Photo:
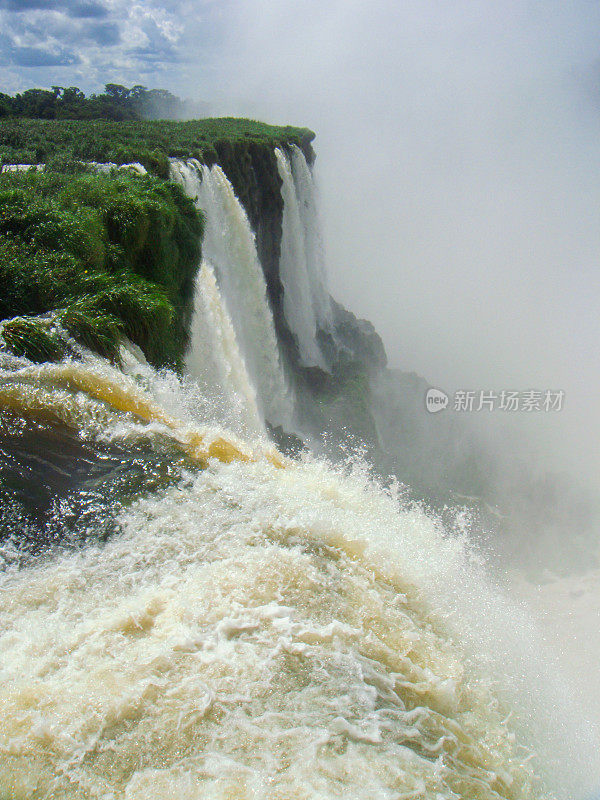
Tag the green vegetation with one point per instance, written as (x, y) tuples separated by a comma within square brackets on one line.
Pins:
[(106, 256), (116, 102), (36, 141), (102, 257)]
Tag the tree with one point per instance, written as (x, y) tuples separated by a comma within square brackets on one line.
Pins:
[(116, 103), (37, 103), (73, 95), (117, 92)]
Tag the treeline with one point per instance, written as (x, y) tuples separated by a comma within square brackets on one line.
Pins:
[(116, 103)]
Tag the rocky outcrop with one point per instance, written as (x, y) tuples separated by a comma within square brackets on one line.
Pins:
[(355, 341), (352, 344)]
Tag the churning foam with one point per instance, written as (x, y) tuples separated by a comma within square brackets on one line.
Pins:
[(258, 631)]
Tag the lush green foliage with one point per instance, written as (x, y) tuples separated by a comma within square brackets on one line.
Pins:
[(105, 256), (151, 143), (117, 103), (115, 255)]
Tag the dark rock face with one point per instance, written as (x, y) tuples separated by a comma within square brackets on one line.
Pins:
[(334, 400), (357, 340), (252, 170)]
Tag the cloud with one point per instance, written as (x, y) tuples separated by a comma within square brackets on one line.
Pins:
[(88, 10), (27, 5), (103, 33), (118, 41), (31, 55), (76, 8), (91, 42), (37, 57), (166, 54)]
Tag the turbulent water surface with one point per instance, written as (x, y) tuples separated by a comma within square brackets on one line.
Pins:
[(259, 628)]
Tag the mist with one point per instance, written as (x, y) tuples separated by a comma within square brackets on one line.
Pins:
[(457, 156)]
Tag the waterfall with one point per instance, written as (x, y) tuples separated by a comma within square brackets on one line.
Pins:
[(313, 239), (305, 301), (215, 361), (229, 248)]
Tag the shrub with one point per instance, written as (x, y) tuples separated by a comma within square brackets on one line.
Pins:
[(111, 255), (35, 338), (27, 141)]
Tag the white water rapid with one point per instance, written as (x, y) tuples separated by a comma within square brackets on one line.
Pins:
[(263, 628)]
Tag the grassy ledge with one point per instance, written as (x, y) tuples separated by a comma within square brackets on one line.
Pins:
[(152, 143), (102, 256)]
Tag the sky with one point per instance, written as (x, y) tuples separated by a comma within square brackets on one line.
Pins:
[(457, 158), (88, 43)]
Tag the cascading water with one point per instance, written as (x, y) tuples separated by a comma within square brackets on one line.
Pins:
[(215, 361), (313, 240), (300, 269), (229, 248)]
